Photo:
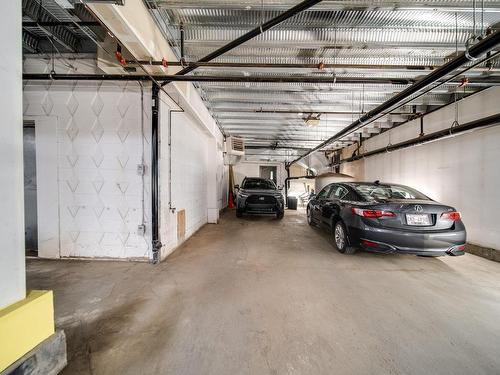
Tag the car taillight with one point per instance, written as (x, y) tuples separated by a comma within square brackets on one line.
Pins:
[(453, 216), (374, 214)]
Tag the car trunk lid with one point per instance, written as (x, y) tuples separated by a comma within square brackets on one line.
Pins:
[(413, 214)]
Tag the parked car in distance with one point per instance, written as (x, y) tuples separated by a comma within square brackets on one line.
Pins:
[(386, 218), (259, 196)]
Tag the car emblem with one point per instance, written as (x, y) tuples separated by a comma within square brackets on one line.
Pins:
[(261, 198), (418, 208)]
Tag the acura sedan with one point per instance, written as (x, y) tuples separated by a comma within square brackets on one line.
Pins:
[(387, 218)]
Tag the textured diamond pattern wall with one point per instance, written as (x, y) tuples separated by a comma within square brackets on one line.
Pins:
[(103, 134)]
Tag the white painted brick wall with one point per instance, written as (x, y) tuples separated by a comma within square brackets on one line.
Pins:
[(189, 177), (189, 165)]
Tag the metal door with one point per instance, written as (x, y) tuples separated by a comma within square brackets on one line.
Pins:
[(269, 172), (30, 199)]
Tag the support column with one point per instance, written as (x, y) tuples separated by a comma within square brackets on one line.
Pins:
[(212, 198), (12, 258), (26, 319)]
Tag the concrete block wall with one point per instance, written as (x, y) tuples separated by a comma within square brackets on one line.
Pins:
[(89, 141), (90, 137), (189, 172), (197, 177), (461, 171)]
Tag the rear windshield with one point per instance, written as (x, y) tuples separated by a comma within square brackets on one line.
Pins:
[(259, 185), (374, 191)]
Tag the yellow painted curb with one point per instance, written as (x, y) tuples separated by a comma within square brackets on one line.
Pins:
[(24, 325)]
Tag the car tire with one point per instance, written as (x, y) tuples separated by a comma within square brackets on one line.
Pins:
[(239, 213), (309, 217), (340, 239), (280, 214)]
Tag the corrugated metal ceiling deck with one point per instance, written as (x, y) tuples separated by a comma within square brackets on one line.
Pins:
[(386, 37), (342, 32)]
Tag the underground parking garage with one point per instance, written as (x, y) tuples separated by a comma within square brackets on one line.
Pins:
[(258, 187)]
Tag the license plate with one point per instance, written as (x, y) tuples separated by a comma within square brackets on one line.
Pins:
[(418, 219)]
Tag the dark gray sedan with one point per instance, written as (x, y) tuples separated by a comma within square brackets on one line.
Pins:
[(387, 218)]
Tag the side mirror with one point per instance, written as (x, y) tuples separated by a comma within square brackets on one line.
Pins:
[(237, 187), (280, 187), (312, 196)]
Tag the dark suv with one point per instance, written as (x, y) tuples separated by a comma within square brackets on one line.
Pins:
[(260, 196)]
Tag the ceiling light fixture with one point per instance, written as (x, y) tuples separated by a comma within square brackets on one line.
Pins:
[(312, 120)]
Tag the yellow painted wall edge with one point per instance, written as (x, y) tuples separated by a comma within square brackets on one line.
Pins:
[(24, 325)]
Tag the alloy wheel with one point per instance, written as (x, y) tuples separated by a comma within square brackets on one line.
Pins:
[(339, 236)]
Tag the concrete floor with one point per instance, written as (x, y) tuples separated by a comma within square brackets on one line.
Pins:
[(261, 296)]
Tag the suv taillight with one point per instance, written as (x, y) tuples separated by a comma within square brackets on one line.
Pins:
[(453, 216), (373, 214)]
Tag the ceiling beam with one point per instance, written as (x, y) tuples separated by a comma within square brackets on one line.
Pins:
[(288, 139), (411, 109), (319, 66), (60, 34), (74, 24), (330, 45), (243, 110), (243, 79), (299, 89), (318, 106), (204, 78)]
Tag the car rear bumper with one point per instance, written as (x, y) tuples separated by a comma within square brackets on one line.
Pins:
[(382, 240), (380, 247)]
